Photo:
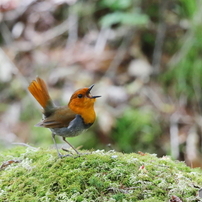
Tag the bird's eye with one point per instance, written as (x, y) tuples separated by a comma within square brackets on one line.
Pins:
[(79, 95)]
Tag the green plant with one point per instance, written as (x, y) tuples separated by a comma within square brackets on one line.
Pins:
[(124, 12), (136, 130)]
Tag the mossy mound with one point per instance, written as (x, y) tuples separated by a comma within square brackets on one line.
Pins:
[(30, 174)]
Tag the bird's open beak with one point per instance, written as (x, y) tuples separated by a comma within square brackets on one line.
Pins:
[(89, 89)]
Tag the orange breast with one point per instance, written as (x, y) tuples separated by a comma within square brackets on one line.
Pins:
[(88, 114)]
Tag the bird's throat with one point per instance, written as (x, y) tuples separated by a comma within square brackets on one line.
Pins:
[(88, 116)]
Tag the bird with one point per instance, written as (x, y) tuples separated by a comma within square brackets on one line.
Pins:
[(65, 121)]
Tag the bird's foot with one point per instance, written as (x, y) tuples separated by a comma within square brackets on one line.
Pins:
[(81, 154), (62, 156), (78, 154), (67, 150)]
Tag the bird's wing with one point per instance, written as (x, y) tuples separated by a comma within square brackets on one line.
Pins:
[(59, 119)]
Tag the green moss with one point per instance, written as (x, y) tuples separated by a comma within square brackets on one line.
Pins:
[(38, 175)]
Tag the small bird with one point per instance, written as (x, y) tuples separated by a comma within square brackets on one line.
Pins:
[(65, 121)]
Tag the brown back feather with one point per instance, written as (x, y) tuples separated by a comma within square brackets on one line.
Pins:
[(60, 118)]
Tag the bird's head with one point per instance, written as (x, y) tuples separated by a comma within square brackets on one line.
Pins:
[(82, 99)]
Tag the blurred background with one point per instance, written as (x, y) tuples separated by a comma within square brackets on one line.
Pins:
[(144, 57)]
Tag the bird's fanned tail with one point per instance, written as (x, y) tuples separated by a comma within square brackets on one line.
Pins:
[(39, 90)]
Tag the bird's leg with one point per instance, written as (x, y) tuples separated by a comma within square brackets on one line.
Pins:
[(59, 154), (70, 145)]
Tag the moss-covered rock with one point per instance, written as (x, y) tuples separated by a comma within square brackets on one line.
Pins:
[(31, 174)]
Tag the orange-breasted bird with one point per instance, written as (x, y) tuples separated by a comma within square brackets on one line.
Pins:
[(65, 121)]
